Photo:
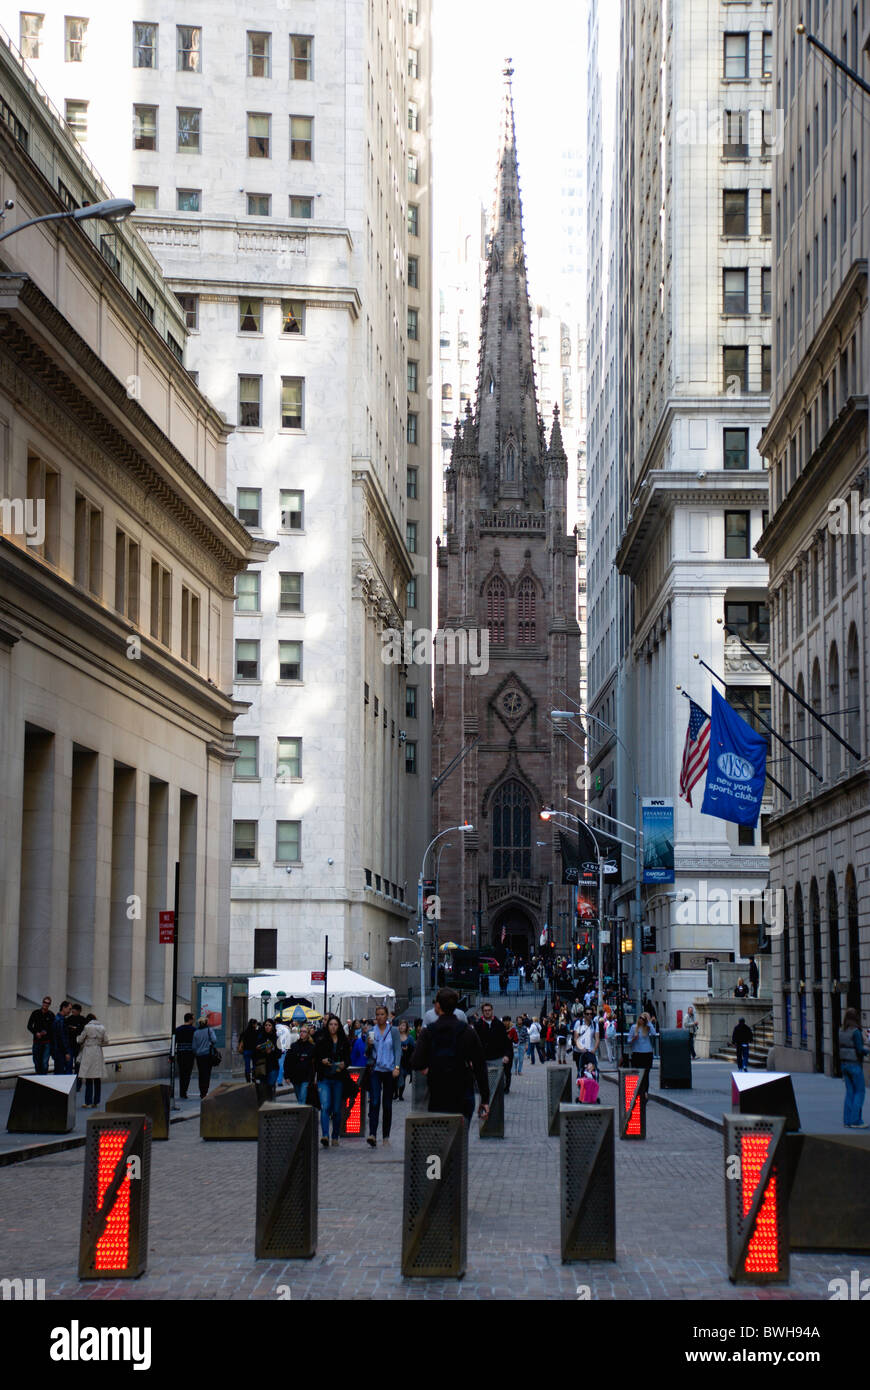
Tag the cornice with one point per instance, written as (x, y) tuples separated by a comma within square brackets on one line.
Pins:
[(665, 489)]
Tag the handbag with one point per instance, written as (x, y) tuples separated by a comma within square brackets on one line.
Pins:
[(214, 1056)]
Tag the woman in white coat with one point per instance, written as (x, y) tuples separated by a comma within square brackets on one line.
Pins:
[(92, 1067)]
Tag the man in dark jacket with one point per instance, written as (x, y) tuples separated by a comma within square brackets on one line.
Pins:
[(753, 976), (299, 1066), (61, 1045), (450, 1056), (75, 1026), (184, 1053), (497, 1046), (39, 1026), (740, 1039)]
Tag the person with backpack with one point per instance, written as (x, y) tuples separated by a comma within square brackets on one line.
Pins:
[(853, 1054), (203, 1041), (535, 1041), (451, 1058)]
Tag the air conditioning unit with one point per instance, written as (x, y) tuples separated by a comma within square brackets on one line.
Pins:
[(402, 736)]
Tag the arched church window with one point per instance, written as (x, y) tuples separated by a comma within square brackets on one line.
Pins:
[(490, 385), (511, 831), (510, 463), (526, 597), (508, 210), (509, 323), (496, 604)]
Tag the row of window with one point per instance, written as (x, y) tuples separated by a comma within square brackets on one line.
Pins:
[(841, 965), (797, 306), (248, 592), (496, 612), (146, 196), (830, 398), (741, 133), (390, 890), (251, 403), (814, 580), (841, 708), (735, 212), (288, 762), (378, 708), (736, 56), (735, 369), (250, 314), (288, 842), (801, 173), (249, 508), (735, 290), (188, 132), (248, 660)]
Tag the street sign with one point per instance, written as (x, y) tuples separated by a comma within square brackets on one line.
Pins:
[(318, 976), (166, 922)]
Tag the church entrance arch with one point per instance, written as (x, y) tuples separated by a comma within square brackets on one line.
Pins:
[(520, 932)]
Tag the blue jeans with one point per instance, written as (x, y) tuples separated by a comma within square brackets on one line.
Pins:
[(281, 1060), (41, 1056), (743, 1056), (381, 1083), (249, 1062), (331, 1097), (853, 1075), (519, 1058), (301, 1089), (62, 1064), (93, 1089)]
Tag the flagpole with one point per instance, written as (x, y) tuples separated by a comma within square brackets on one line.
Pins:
[(768, 775), (785, 743)]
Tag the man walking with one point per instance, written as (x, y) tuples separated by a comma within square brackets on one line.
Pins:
[(585, 1040), (184, 1053), (39, 1026), (450, 1056), (384, 1052), (61, 1046), (497, 1046), (285, 1042), (740, 1039)]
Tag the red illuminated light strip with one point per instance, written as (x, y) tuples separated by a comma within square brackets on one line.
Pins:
[(633, 1126), (762, 1255), (113, 1247), (354, 1114)]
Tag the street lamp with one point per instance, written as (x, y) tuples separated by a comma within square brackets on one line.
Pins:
[(420, 929), (441, 850), (546, 814), (113, 210)]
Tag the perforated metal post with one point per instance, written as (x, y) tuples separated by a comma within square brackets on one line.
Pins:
[(493, 1126), (419, 1091), (435, 1201), (756, 1199), (353, 1114), (286, 1182), (632, 1104), (560, 1080), (115, 1199), (587, 1152)]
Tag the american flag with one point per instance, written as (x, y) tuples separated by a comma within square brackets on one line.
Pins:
[(696, 750), (503, 933)]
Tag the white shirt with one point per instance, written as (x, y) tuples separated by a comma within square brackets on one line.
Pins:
[(283, 1036), (585, 1036)]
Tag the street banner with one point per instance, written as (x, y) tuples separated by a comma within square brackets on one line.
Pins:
[(658, 839), (737, 766)]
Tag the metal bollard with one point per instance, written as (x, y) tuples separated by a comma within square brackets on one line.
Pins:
[(435, 1200), (43, 1105), (493, 1126), (286, 1182), (632, 1104), (588, 1182), (353, 1117), (419, 1091), (113, 1243), (145, 1098), (560, 1080), (756, 1199)]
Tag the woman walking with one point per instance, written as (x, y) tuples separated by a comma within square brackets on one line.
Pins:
[(853, 1051), (204, 1039), (332, 1054), (640, 1046), (248, 1046), (93, 1067), (268, 1056), (407, 1040)]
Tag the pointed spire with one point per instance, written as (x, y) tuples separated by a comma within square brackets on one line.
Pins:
[(469, 443), (557, 448)]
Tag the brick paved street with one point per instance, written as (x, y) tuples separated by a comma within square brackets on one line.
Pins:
[(670, 1233)]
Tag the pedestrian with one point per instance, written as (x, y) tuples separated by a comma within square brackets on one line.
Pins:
[(535, 1041), (740, 1039), (299, 1066), (690, 1023), (332, 1059), (284, 1043), (184, 1053), (550, 1039), (74, 1026), (640, 1046), (359, 1048), (92, 1067), (610, 1038), (407, 1044), (248, 1045), (384, 1046), (267, 1055), (521, 1045), (563, 1028), (450, 1056), (39, 1026), (494, 1040), (61, 1047), (742, 989), (585, 1039), (203, 1040), (753, 976), (853, 1052)]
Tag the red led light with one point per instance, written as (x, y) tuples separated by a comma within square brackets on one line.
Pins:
[(631, 1085), (113, 1247), (762, 1255), (353, 1124)]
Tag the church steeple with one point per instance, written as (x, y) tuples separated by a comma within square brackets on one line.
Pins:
[(508, 433)]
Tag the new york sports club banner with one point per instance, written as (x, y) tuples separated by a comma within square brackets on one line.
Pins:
[(737, 766)]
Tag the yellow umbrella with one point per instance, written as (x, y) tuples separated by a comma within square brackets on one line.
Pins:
[(298, 1013), (451, 946)]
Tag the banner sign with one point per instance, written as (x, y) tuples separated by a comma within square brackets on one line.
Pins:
[(658, 839), (737, 766)]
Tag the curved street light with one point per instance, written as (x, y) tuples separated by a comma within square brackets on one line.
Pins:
[(420, 928), (113, 210)]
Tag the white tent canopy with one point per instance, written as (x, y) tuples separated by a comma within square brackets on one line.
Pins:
[(348, 993)]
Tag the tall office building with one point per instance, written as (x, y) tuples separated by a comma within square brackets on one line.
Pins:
[(816, 444), (279, 162)]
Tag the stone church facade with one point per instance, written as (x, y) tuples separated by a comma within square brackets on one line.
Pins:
[(506, 574)]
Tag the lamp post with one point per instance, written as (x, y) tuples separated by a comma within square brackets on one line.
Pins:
[(547, 814), (420, 928), (112, 210), (441, 850)]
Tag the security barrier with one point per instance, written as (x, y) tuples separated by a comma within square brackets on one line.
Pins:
[(149, 1098), (675, 1060), (287, 1172), (756, 1200), (353, 1113), (632, 1104), (230, 1112), (828, 1179), (493, 1126), (43, 1105), (587, 1153), (765, 1093), (560, 1080), (117, 1185), (419, 1091), (435, 1200)]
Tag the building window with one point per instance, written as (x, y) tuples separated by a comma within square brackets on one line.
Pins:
[(250, 391), (88, 545), (751, 621), (43, 485), (247, 764), (248, 592), (413, 62), (292, 509), (496, 605), (30, 35), (301, 58), (290, 661), (187, 141), (413, 220), (265, 948), (76, 117), (526, 612), (259, 204), (189, 626), (737, 535), (301, 137), (244, 841), (736, 448), (76, 34), (413, 169), (250, 315), (145, 198), (413, 273), (293, 316), (411, 593), (412, 375), (511, 832), (767, 55), (126, 576), (301, 207), (144, 45), (292, 397), (765, 212), (765, 369), (287, 837), (735, 369), (161, 603), (189, 199), (735, 138), (410, 702), (413, 116), (259, 139), (291, 594), (144, 127), (248, 503), (411, 537), (766, 289), (735, 291), (188, 49), (736, 55), (735, 212), (410, 756), (411, 491), (413, 324), (412, 428), (247, 660), (259, 54), (289, 759)]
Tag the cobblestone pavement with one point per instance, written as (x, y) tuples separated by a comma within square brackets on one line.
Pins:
[(670, 1221)]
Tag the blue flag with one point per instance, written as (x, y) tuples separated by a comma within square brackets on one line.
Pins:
[(737, 766)]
